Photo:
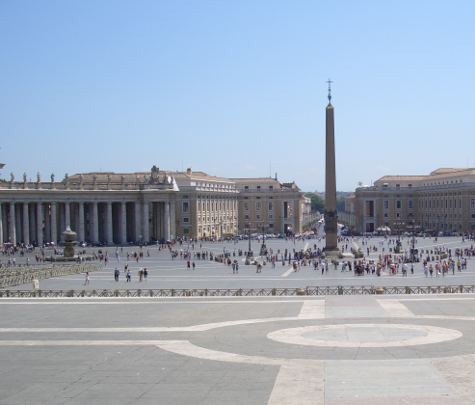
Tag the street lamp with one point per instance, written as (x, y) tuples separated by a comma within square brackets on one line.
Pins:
[(249, 251), (263, 246)]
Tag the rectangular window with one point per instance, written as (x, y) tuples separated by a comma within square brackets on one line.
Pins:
[(246, 206), (246, 187), (185, 206), (270, 206), (398, 204), (410, 204), (472, 203), (258, 205), (386, 204), (186, 220)]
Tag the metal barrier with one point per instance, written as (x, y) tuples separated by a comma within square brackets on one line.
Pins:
[(238, 292), (27, 274)]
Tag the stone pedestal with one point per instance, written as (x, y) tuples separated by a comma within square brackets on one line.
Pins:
[(69, 242)]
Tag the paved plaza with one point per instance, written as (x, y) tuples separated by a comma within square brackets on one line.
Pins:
[(165, 272), (337, 350), (334, 350)]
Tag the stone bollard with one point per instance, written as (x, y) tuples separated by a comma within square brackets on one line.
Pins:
[(36, 284)]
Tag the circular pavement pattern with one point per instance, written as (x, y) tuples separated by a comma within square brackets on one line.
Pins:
[(364, 335)]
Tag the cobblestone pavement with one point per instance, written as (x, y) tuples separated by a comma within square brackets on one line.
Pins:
[(167, 273), (335, 350)]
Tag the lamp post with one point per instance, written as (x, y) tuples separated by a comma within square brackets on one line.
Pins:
[(249, 251), (263, 246)]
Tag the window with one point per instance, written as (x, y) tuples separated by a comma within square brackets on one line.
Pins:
[(271, 225), (258, 188), (246, 206), (246, 216), (398, 204), (386, 204), (472, 203), (185, 206), (258, 217), (385, 215), (246, 187), (186, 220), (271, 188), (258, 205), (410, 204), (270, 206)]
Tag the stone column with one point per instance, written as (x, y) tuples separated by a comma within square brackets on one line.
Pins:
[(123, 222), (110, 236), (173, 220), (145, 222), (138, 222), (47, 230), (39, 223), (1, 223), (167, 220), (95, 223), (81, 233), (12, 224), (54, 226), (62, 226), (67, 216), (26, 224)]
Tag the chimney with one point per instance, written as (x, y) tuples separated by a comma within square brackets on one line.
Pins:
[(188, 171), (276, 176)]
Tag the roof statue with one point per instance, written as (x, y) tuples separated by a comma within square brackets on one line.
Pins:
[(155, 175)]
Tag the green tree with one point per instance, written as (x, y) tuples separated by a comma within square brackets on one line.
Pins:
[(317, 202)]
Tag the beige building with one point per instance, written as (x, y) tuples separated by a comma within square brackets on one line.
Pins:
[(267, 205), (443, 201), (207, 206), (120, 208)]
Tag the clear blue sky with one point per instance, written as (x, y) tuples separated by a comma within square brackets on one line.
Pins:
[(234, 87)]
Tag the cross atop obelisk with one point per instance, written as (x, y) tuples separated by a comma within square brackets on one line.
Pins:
[(331, 245), (329, 81)]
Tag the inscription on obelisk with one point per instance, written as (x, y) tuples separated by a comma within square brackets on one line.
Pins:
[(331, 245)]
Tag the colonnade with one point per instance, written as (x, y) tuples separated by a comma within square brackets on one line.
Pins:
[(108, 222)]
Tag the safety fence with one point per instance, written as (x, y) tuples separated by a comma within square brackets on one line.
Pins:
[(229, 292), (25, 275)]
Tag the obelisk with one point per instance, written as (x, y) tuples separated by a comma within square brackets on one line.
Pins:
[(331, 246)]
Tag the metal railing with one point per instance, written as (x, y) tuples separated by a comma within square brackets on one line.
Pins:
[(10, 277), (238, 292)]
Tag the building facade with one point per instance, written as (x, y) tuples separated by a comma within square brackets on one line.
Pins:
[(443, 201), (142, 207), (207, 206), (267, 205)]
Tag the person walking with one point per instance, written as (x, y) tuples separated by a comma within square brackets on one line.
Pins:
[(86, 280)]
